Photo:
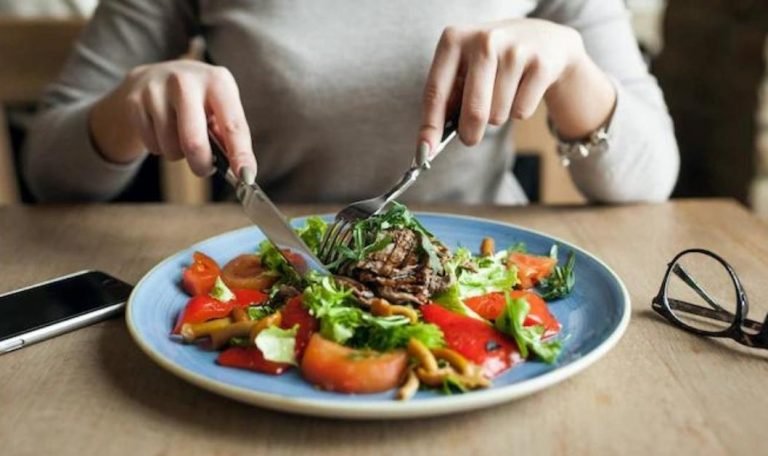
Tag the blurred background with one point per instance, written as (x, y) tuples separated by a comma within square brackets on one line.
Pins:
[(710, 57)]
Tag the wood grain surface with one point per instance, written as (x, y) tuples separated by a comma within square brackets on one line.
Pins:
[(660, 391)]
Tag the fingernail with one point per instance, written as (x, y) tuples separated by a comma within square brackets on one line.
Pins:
[(422, 154), (248, 175)]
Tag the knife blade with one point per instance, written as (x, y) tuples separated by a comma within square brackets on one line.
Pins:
[(263, 213)]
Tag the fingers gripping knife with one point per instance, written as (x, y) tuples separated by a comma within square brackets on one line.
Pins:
[(262, 212)]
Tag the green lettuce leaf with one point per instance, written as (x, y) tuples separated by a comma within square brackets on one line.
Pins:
[(221, 292), (334, 306), (272, 260), (527, 337), (312, 233), (343, 322), (451, 299), (492, 275), (278, 345)]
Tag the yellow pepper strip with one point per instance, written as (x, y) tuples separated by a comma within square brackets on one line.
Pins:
[(192, 331)]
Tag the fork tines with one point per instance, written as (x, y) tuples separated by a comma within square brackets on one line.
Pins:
[(339, 233)]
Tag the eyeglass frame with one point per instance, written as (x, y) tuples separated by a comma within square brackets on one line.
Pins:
[(661, 304)]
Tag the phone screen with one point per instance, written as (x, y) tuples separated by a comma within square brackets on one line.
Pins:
[(40, 305)]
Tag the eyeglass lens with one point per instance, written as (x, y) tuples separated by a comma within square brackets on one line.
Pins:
[(701, 292)]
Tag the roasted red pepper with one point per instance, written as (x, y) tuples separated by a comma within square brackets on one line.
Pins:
[(250, 358), (294, 313), (475, 339), (247, 297), (205, 307)]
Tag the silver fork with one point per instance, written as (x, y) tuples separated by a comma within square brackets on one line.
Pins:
[(340, 232)]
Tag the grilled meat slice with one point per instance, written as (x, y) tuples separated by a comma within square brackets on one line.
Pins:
[(400, 272)]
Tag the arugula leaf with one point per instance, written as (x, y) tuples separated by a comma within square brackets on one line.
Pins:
[(259, 312), (527, 337), (562, 279), (239, 342), (389, 333), (312, 233), (518, 247), (278, 345), (452, 385), (221, 292), (369, 235)]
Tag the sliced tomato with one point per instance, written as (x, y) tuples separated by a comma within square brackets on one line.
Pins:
[(294, 313), (335, 367), (202, 308), (491, 305), (477, 340), (488, 306), (247, 297), (531, 269), (198, 278), (245, 271), (250, 358)]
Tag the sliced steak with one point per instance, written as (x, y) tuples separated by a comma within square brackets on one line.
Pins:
[(400, 271)]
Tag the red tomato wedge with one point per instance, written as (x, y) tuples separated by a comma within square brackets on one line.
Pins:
[(531, 269), (335, 367), (245, 271), (294, 313), (491, 305), (477, 340), (198, 278), (250, 358)]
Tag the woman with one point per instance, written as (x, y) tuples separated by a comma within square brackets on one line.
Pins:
[(333, 98)]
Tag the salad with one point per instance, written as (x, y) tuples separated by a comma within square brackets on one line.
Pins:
[(400, 312)]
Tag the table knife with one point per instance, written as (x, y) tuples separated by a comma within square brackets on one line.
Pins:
[(262, 212)]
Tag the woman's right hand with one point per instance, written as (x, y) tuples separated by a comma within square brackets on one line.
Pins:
[(167, 108)]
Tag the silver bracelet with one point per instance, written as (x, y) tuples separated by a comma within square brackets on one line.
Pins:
[(570, 150)]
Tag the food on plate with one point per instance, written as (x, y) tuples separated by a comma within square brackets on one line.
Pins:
[(400, 312)]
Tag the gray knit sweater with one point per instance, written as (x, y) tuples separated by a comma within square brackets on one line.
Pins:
[(332, 91)]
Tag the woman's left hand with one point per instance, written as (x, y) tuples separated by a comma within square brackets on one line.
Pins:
[(498, 70)]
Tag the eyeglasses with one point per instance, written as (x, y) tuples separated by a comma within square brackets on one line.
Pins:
[(702, 295)]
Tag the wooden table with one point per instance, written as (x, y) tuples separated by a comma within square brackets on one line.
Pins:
[(660, 391)]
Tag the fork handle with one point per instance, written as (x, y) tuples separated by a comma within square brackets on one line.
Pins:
[(449, 132), (450, 129)]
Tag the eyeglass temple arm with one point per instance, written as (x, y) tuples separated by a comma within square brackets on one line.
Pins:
[(720, 315), (680, 272)]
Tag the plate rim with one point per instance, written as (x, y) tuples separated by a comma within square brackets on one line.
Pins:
[(389, 409)]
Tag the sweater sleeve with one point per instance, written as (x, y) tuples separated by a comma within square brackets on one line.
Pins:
[(59, 161), (642, 160)]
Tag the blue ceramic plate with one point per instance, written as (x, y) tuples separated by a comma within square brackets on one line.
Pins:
[(594, 317)]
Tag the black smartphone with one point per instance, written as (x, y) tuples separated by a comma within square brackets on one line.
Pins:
[(50, 308)]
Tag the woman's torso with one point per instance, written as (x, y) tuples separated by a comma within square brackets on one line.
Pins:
[(332, 90)]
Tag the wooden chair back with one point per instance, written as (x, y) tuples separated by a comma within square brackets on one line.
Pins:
[(32, 52)]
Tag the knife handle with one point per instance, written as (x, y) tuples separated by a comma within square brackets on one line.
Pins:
[(220, 161)]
